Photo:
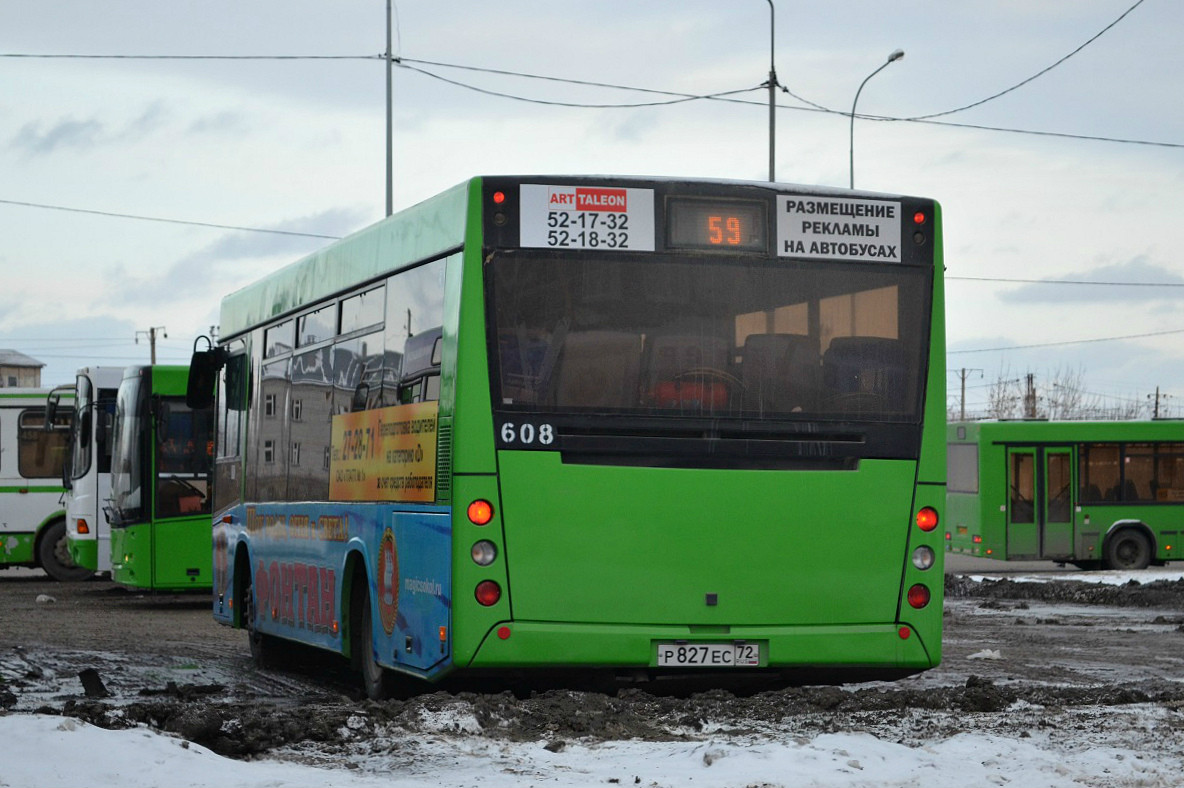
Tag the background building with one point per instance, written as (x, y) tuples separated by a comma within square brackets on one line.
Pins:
[(19, 370)]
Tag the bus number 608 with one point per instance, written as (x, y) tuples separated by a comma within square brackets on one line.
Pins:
[(527, 434)]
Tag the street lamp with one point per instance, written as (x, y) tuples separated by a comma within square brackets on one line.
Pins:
[(895, 56), (772, 94)]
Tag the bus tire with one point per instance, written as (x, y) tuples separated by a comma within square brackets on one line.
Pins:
[(53, 552), (378, 682), (264, 648), (1128, 549)]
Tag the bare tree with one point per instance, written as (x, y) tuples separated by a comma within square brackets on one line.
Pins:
[(1004, 397), (1067, 398)]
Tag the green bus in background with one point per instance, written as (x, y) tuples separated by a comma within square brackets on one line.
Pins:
[(637, 426), (1095, 494), (159, 510)]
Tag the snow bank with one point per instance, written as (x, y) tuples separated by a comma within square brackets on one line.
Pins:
[(59, 751)]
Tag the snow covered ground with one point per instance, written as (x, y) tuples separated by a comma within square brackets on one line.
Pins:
[(59, 751)]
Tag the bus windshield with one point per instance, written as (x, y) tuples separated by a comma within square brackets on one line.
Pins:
[(711, 336)]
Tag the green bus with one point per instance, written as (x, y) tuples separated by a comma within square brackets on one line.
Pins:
[(1091, 493), (159, 510), (632, 426)]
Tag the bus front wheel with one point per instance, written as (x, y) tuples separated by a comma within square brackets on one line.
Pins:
[(263, 647), (1129, 550), (53, 551)]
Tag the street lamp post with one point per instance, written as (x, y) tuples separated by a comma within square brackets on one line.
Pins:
[(772, 98), (895, 56), (390, 154)]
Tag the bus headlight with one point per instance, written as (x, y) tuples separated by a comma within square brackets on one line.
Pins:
[(923, 557)]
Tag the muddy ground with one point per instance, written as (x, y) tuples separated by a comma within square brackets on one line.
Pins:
[(1061, 658)]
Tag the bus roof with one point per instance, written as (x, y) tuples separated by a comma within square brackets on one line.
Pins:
[(429, 228), (1042, 431)]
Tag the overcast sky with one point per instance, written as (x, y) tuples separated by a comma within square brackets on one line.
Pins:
[(298, 145)]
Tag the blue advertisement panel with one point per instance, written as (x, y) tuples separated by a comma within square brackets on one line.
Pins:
[(298, 553)]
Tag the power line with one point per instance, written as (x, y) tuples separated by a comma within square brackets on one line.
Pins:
[(725, 97), (1064, 281), (813, 108), (500, 94), (40, 56), (1068, 342), (167, 221), (1038, 74)]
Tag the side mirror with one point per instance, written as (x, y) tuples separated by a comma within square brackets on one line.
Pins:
[(203, 374)]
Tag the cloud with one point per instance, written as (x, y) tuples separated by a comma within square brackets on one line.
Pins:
[(225, 122), (1137, 270), (68, 133), (220, 266), (152, 118)]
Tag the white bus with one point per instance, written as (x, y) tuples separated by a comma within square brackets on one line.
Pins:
[(32, 514), (88, 465)]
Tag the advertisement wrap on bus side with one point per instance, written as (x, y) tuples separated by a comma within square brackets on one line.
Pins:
[(385, 454), (299, 585)]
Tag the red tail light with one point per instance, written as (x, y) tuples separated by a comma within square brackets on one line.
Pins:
[(488, 593), (918, 596), (480, 512), (927, 519)]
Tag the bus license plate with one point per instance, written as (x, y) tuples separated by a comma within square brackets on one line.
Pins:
[(709, 655)]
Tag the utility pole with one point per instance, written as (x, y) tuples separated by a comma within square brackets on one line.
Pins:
[(1030, 398), (151, 335), (963, 373)]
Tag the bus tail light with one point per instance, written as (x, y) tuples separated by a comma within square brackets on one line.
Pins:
[(923, 557), (918, 596), (83, 528), (480, 512), (927, 518), (488, 593)]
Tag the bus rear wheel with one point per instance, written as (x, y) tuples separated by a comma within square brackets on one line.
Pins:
[(378, 682), (1128, 550), (53, 551)]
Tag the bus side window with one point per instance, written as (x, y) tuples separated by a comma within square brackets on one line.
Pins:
[(420, 378)]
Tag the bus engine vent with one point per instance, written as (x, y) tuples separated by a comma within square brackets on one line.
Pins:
[(444, 461)]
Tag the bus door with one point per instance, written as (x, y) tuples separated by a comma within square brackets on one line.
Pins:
[(1056, 526), (1039, 503), (1022, 535)]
